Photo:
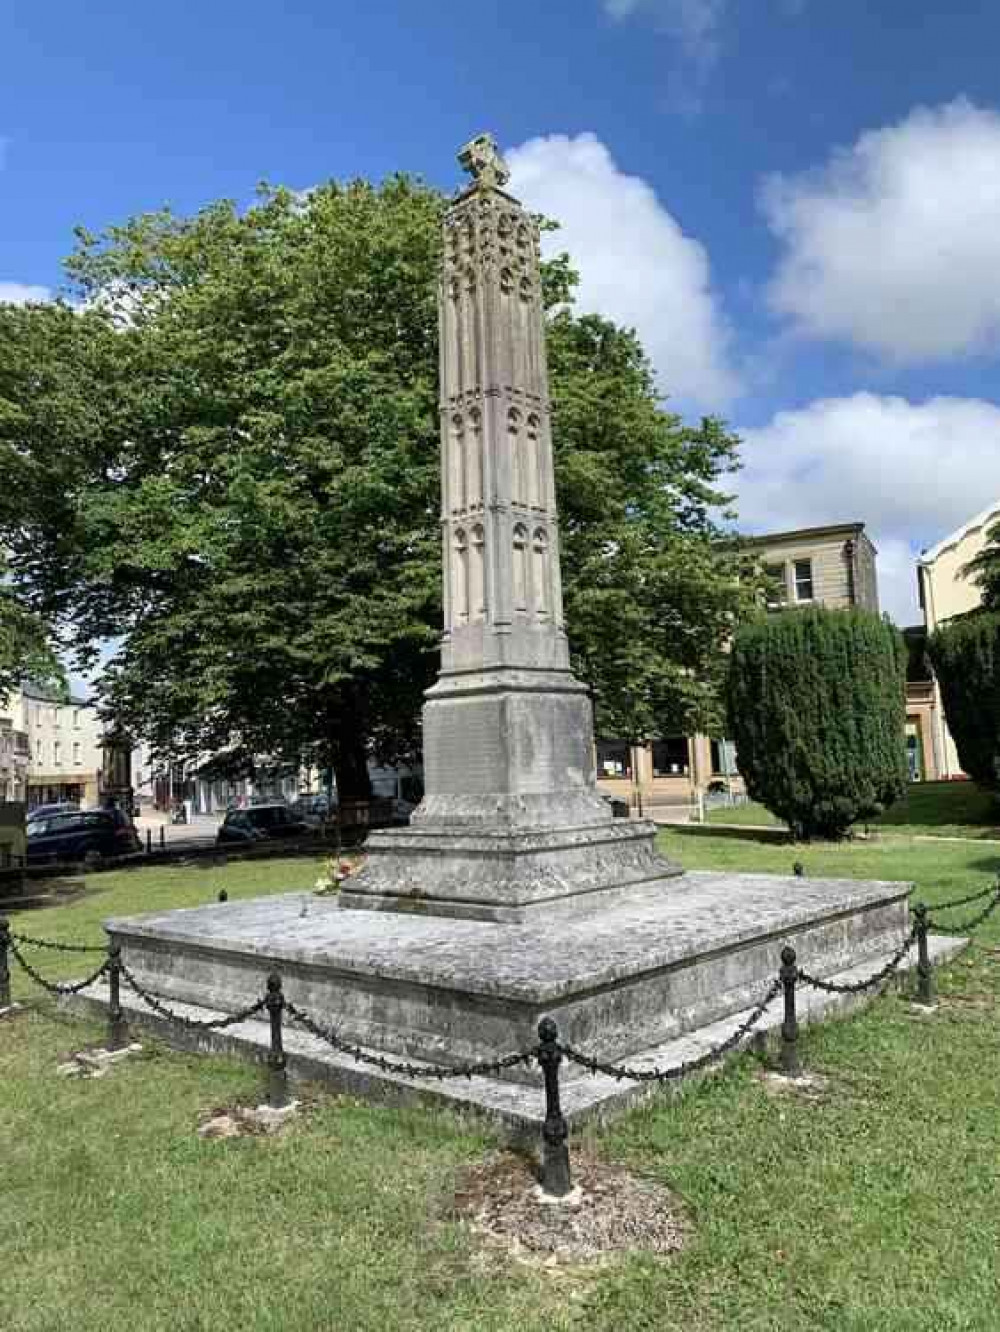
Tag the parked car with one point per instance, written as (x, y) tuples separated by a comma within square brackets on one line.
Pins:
[(90, 837), (46, 811), (313, 809), (257, 823)]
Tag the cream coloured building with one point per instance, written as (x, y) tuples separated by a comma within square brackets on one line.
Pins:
[(64, 741), (834, 566), (946, 591)]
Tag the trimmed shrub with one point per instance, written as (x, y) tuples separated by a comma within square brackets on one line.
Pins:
[(965, 655), (816, 702)]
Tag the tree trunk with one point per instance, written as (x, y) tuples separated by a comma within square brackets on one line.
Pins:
[(350, 763)]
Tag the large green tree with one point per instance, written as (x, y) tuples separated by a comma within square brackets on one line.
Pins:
[(817, 709), (240, 441)]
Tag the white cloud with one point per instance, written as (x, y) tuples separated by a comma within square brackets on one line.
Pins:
[(894, 245), (695, 23), (636, 265), (912, 472), (20, 293)]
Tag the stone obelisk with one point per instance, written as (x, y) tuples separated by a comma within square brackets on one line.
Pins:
[(512, 819)]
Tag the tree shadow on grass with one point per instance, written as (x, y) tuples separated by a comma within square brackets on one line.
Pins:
[(766, 836)]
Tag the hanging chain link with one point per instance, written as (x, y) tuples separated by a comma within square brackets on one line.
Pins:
[(192, 1024), (405, 1069), (56, 987), (869, 982), (964, 901), (967, 926), (58, 947), (687, 1066)]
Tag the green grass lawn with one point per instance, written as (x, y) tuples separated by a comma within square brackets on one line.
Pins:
[(873, 1207), (932, 809)]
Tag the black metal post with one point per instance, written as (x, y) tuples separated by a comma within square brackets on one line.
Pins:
[(556, 1180), (223, 895), (789, 975), (117, 1028), (163, 836), (4, 964), (925, 972), (277, 1065), (149, 841), (799, 870)]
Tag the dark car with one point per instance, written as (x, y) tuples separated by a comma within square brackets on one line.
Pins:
[(47, 811), (260, 822), (90, 837)]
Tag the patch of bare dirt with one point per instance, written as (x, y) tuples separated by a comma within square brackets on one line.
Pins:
[(613, 1212), (241, 1121), (806, 1087)]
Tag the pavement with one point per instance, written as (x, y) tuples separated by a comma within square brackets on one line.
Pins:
[(202, 828)]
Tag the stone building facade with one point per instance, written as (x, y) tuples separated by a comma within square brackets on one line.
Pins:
[(65, 746), (833, 566)]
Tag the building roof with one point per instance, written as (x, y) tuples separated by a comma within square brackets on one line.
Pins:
[(46, 694), (988, 515), (797, 533)]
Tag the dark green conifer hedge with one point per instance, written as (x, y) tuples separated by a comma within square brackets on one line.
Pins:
[(965, 655), (816, 702)]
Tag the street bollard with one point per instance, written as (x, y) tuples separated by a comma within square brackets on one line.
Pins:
[(925, 972), (223, 895), (799, 870), (117, 1027), (789, 975), (556, 1181), (4, 963), (149, 841), (163, 836), (277, 1065)]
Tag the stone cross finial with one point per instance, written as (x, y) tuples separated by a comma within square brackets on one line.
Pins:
[(481, 158)]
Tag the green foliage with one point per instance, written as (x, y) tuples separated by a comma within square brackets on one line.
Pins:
[(245, 492), (965, 654), (817, 708), (985, 569)]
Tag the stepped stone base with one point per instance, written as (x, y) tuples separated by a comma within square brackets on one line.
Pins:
[(504, 874), (519, 1108), (655, 962)]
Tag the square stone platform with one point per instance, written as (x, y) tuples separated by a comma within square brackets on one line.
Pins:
[(658, 963)]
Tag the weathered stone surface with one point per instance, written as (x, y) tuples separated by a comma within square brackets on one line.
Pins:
[(657, 961), (519, 1106)]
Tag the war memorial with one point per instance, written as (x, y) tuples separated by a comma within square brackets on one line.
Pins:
[(513, 894)]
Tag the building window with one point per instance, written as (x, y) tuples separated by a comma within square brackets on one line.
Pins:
[(39, 751), (670, 757), (776, 589), (76, 752), (614, 758), (56, 752), (76, 719), (723, 758), (803, 580)]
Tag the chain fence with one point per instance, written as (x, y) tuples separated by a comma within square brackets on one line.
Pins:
[(969, 926), (549, 1052), (869, 982), (56, 987), (156, 1003)]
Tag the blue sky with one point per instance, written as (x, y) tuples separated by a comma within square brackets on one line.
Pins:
[(795, 202)]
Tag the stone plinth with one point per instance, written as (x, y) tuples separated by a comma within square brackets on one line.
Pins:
[(654, 963)]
